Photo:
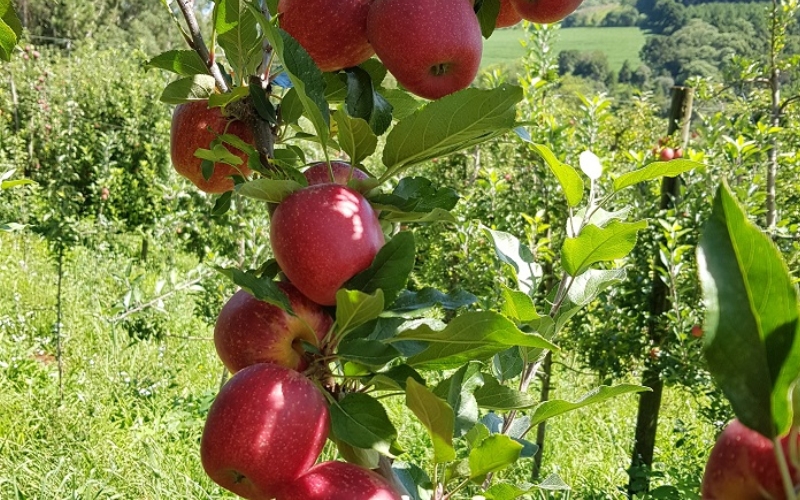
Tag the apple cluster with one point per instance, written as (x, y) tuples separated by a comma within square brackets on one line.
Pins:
[(432, 47), (269, 423)]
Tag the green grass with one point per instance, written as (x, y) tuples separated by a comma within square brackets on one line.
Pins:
[(619, 44), (133, 410)]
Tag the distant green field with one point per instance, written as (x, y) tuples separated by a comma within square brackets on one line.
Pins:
[(619, 44)]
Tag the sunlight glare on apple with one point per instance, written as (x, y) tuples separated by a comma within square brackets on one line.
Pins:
[(347, 205)]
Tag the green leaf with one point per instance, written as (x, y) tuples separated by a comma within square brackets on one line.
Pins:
[(416, 194), (182, 62), (450, 124), (495, 453), (10, 29), (271, 191), (585, 288), (218, 154), (555, 407), (569, 178), (436, 416), (15, 183), (354, 308), (237, 34), (457, 390), (361, 421), (435, 215), (429, 297), (655, 170), (390, 269), (595, 244), (356, 139), (361, 98), (752, 325), (370, 353), (265, 109), (193, 88), (402, 103), (470, 336), (261, 288), (291, 107), (518, 306), (395, 378), (493, 395), (222, 204), (307, 79), (368, 459), (487, 16), (512, 251)]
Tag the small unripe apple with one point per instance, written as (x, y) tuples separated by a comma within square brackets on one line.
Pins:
[(319, 173), (432, 47), (195, 126), (322, 236), (265, 429), (545, 11), (743, 466), (667, 154), (333, 32), (250, 331), (338, 481)]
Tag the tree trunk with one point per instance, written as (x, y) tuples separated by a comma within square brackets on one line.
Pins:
[(650, 402)]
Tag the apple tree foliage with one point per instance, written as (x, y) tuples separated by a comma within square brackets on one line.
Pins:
[(462, 366)]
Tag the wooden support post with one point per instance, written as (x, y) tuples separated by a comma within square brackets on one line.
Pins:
[(650, 402)]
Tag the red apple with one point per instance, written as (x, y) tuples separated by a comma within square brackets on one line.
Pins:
[(667, 154), (545, 11), (265, 429), (678, 152), (338, 481), (334, 32), (322, 236), (250, 331), (194, 126), (697, 331), (319, 173), (432, 47), (508, 15), (743, 466)]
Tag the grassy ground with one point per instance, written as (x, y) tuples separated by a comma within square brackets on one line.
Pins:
[(619, 44), (132, 412)]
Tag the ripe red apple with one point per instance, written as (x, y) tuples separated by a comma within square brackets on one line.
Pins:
[(678, 152), (743, 466), (545, 11), (265, 429), (697, 331), (250, 331), (319, 173), (667, 154), (104, 193), (338, 481), (322, 236), (508, 15), (432, 47), (194, 126), (334, 32)]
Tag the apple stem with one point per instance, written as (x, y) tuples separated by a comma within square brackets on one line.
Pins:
[(783, 466)]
